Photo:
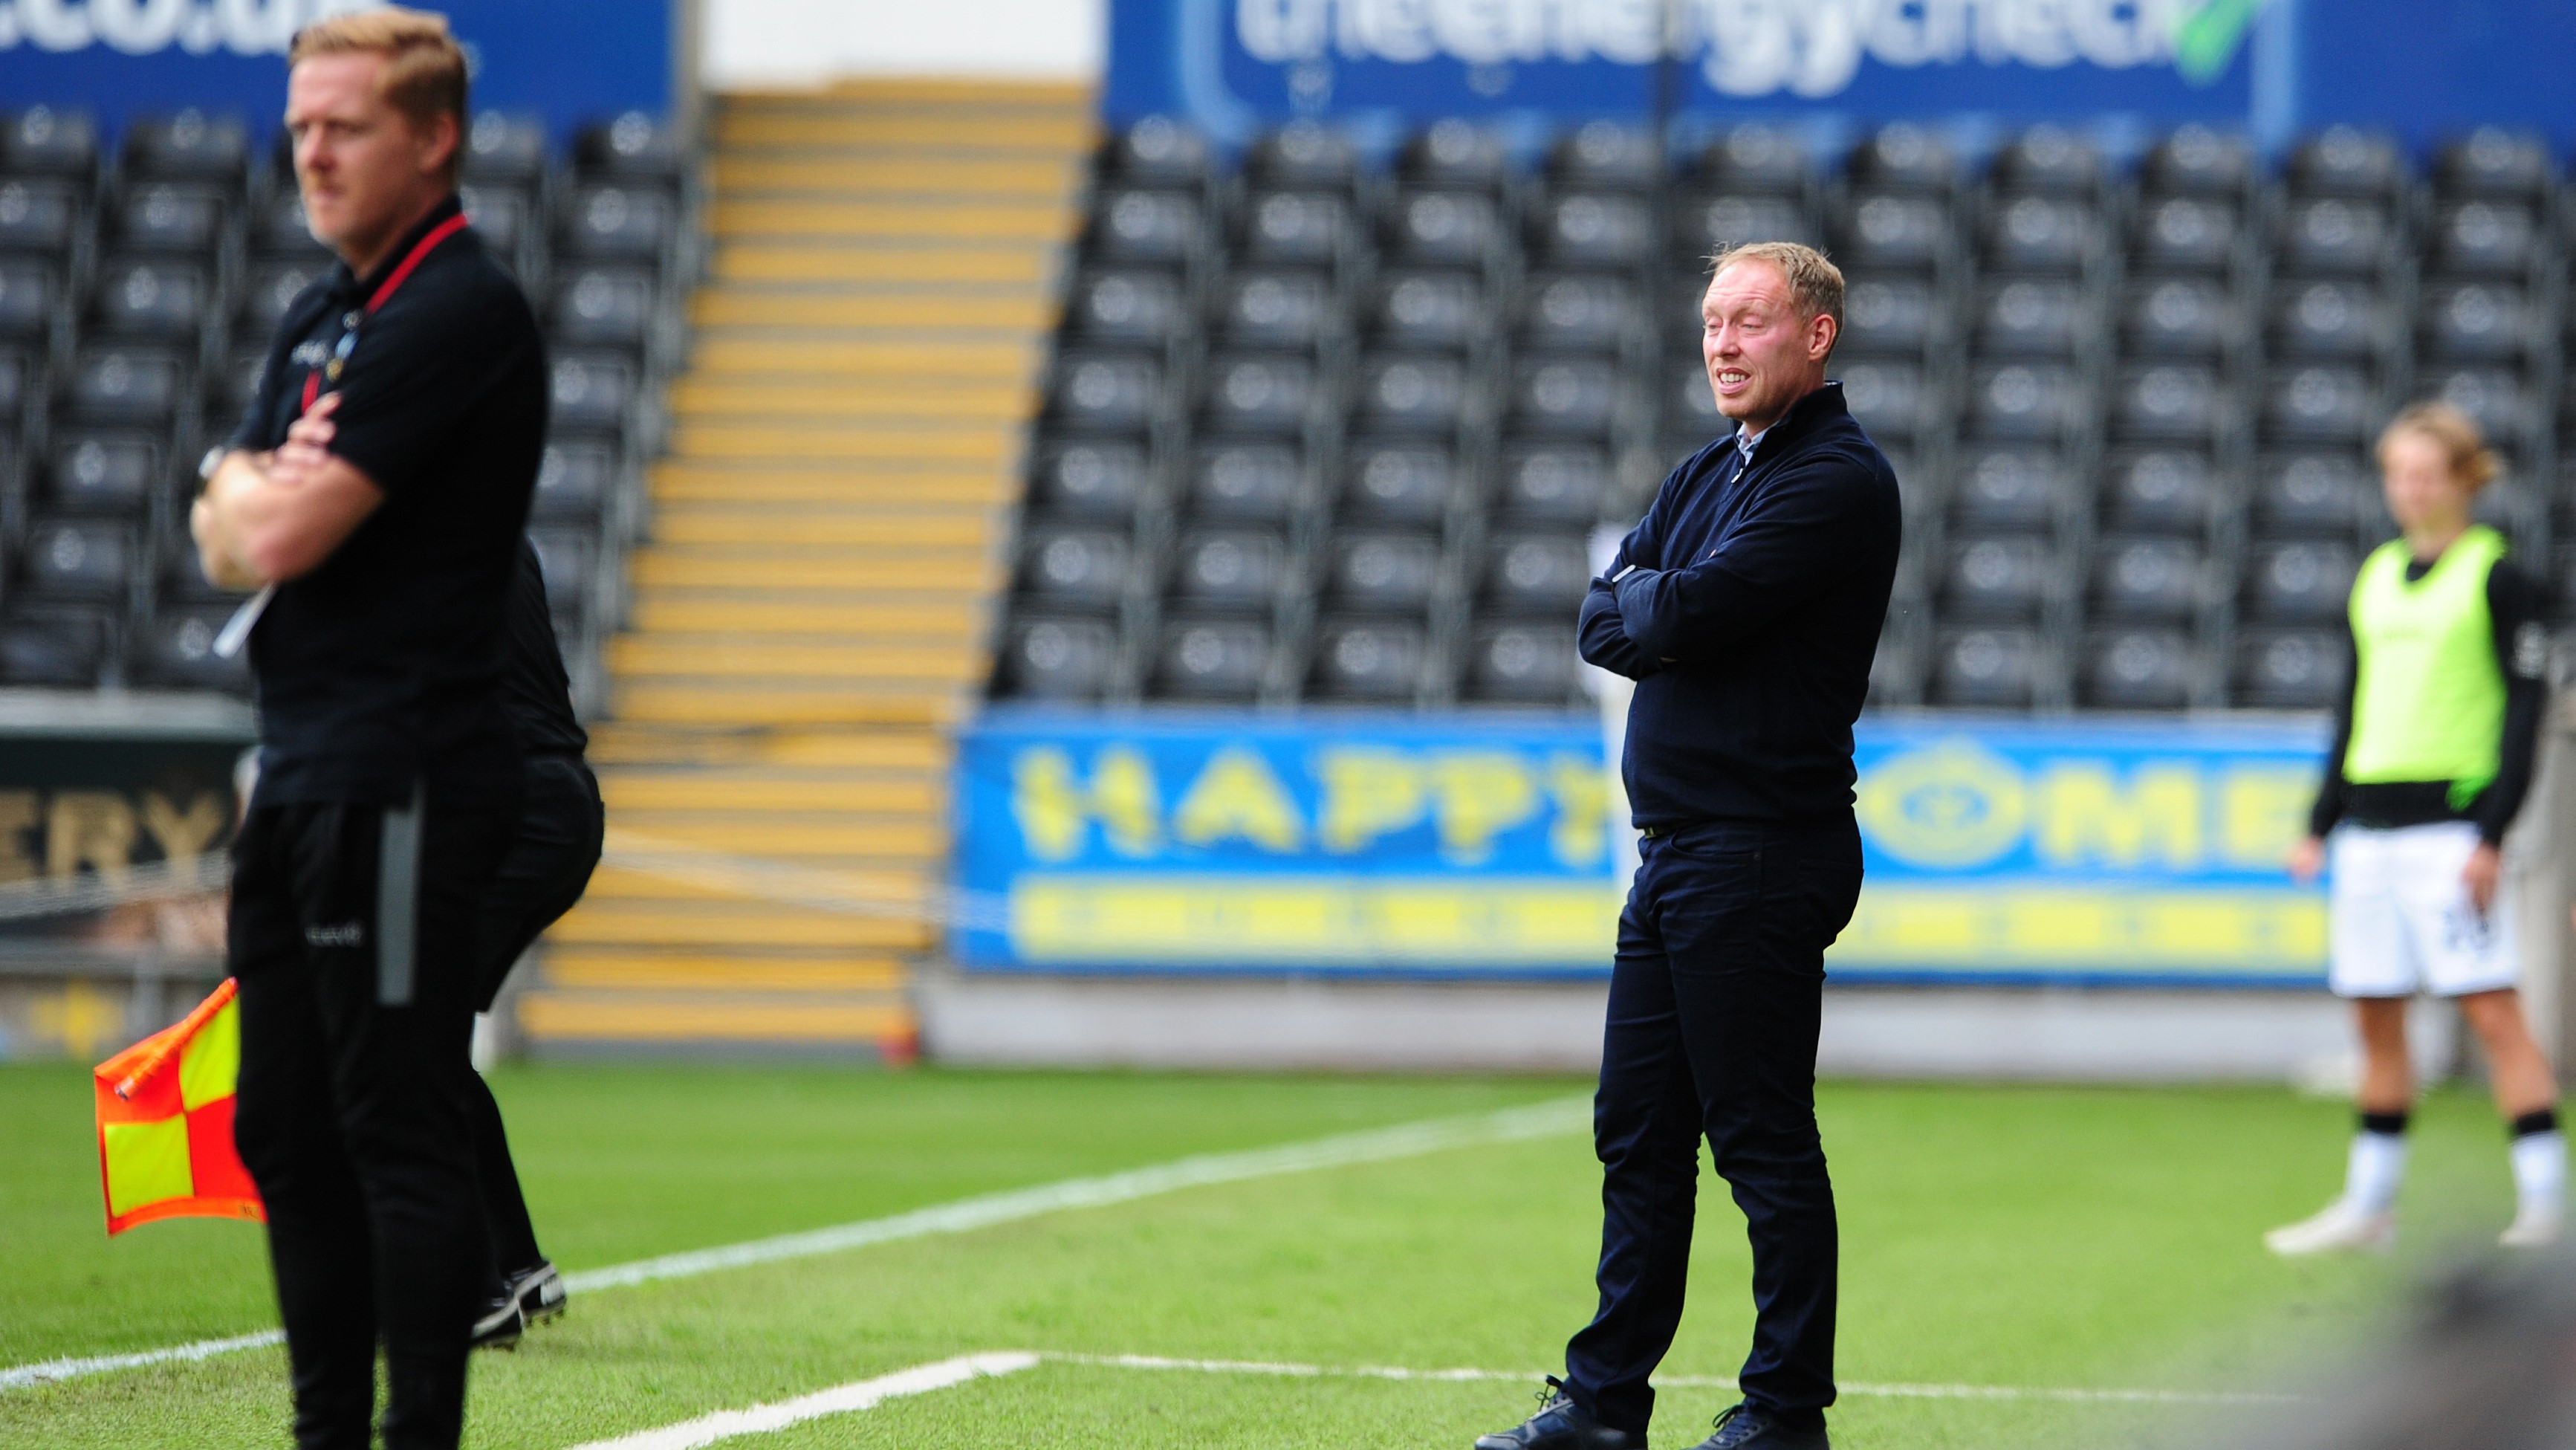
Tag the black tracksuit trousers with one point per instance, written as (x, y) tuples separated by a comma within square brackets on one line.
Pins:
[(356, 937), (1714, 1003)]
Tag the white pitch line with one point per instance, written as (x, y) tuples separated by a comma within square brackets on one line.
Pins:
[(839, 1400), (1375, 1145)]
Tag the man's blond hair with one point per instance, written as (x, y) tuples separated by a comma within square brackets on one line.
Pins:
[(2455, 432), (424, 66), (1815, 283)]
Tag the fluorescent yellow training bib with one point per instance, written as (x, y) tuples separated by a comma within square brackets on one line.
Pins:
[(2428, 703)]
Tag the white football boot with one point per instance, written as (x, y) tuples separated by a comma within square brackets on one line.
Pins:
[(2532, 1228), (2338, 1229)]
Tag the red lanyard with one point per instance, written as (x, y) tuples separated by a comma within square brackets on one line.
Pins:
[(393, 282)]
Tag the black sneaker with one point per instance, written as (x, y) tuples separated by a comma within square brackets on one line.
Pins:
[(1742, 1427), (499, 1323), (539, 1291), (1560, 1424)]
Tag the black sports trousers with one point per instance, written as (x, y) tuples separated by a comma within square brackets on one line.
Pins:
[(546, 870), (356, 937), (1715, 998)]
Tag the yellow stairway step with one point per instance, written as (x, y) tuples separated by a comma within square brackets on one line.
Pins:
[(980, 398), (744, 261), (547, 1016), (951, 444), (915, 93), (695, 704), (893, 888), (935, 132), (1016, 178), (630, 742), (764, 353), (698, 480), (635, 658), (812, 529), (658, 612), (772, 790), (733, 923), (850, 570), (856, 220), (816, 308), (578, 967)]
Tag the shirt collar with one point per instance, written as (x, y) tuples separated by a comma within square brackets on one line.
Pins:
[(350, 287)]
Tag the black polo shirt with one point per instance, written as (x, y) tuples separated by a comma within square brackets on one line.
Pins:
[(381, 668), (534, 684)]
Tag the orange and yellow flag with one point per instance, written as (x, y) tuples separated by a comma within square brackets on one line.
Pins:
[(165, 1122)]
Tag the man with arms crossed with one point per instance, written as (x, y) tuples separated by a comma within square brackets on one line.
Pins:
[(1747, 607), (389, 777)]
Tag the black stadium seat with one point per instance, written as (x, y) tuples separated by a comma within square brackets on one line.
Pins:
[(1274, 308), (1105, 392), (2195, 160), (139, 385), (38, 216), (1521, 662), (2027, 317), (53, 647), (2048, 159), (87, 559), (1578, 312), (1756, 158), (2008, 490), (2297, 582), (505, 150), (102, 473), (1553, 485), (1541, 574), (2345, 161), (2318, 494), (620, 223), (500, 217), (573, 481), (176, 650), (1161, 227), (2485, 238), (2289, 669), (1454, 153), (1418, 309), (152, 297), (2146, 579), (1382, 572), (593, 392), (2493, 162), (278, 228), (28, 290), (1127, 307), (1708, 225), (1891, 315), (2167, 402), (2333, 236), (1084, 568), (1592, 229), (1235, 571), (1608, 156), (2177, 317), (1411, 393), (1302, 155), (1888, 398), (1904, 157), (1398, 483), (603, 307), (189, 146), (2137, 669), (2159, 491), (1088, 478), (1212, 659), (1986, 668), (1442, 229), (2193, 234), (1377, 660), (1253, 482), (2037, 402), (1998, 578), (1297, 228), (1058, 659), (2476, 322), (168, 217), (631, 145), (2318, 404), (2327, 320), (1892, 233), (270, 289), (41, 141), (2049, 235), (1157, 151), (1270, 394), (1564, 396)]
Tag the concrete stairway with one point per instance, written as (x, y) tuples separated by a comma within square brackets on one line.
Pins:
[(810, 612)]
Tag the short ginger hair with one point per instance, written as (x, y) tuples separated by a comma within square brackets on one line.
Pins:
[(425, 71), (1815, 283), (2473, 464)]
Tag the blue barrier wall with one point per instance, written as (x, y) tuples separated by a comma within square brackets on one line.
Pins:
[(1996, 850), (114, 58), (2277, 67)]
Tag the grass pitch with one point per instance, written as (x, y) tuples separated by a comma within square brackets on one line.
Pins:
[(2029, 1238)]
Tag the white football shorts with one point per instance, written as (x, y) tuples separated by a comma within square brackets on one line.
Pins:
[(2400, 922)]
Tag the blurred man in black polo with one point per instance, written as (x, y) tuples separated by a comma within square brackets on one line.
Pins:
[(1747, 607), (390, 777)]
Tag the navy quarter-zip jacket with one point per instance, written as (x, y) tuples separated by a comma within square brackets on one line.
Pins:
[(1746, 607)]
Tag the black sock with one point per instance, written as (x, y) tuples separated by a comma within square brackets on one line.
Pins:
[(2538, 1120), (2387, 1125)]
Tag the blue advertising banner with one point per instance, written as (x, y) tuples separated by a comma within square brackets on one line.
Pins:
[(115, 58), (1996, 851)]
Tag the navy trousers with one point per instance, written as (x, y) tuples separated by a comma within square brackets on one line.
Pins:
[(1714, 1000)]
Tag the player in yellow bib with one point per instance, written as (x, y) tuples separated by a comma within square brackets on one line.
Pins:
[(2432, 758)]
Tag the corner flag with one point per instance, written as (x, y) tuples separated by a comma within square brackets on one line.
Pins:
[(165, 1122)]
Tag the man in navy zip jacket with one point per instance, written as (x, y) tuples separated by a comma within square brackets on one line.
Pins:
[(1746, 606)]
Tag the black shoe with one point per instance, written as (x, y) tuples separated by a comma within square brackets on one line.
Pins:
[(499, 1323), (540, 1292), (1560, 1424), (1742, 1427)]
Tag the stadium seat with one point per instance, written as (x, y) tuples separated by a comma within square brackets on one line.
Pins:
[(2476, 321), (1088, 478), (1382, 572), (2048, 159), (1516, 662), (278, 228), (1441, 310), (631, 145), (603, 307), (1592, 229), (1129, 307), (2493, 162), (1886, 315), (1105, 392), (1411, 393), (1402, 483), (167, 217), (53, 647), (137, 385), (2194, 160), (593, 392), (2495, 398), (1578, 312), (2159, 491), (1235, 571), (565, 559), (1894, 672), (2485, 239), (27, 296), (1690, 417), (2327, 320), (2193, 234), (2029, 318), (41, 141), (1442, 229), (1283, 309), (1058, 659), (1296, 228), (1212, 659), (2296, 669), (2137, 669), (1710, 224), (1606, 156), (1564, 396), (1754, 158), (2318, 404), (2167, 403), (266, 294), (1454, 153), (505, 150), (1157, 151), (1986, 668), (38, 216), (176, 650), (1375, 660), (2345, 161), (2297, 581), (1545, 574), (1304, 156), (620, 223), (1893, 233), (2040, 234), (2022, 401), (2146, 579), (2334, 237), (2003, 577), (1553, 485), (2012, 490), (102, 473), (2176, 317), (499, 217), (1161, 227), (1257, 393), (573, 481), (1082, 568), (154, 298), (188, 146), (1904, 157), (90, 559), (236, 387), (1888, 398), (1253, 482), (2312, 494)]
